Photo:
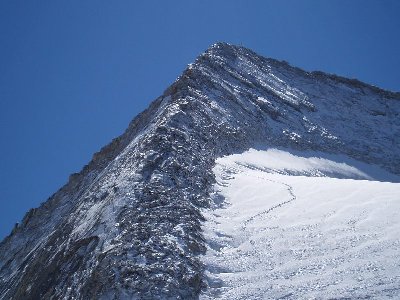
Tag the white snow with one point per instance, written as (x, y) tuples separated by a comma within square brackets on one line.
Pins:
[(298, 225)]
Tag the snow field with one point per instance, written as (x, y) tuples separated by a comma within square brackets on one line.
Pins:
[(282, 229)]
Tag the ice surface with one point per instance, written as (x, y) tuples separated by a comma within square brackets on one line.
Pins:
[(319, 236)]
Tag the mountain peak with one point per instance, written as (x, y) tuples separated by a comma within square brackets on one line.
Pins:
[(129, 224), (222, 52)]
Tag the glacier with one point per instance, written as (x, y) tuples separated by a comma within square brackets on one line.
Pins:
[(299, 226)]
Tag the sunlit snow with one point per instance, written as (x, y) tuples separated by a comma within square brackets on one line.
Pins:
[(299, 225)]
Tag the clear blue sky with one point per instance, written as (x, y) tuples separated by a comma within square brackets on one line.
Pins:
[(74, 73)]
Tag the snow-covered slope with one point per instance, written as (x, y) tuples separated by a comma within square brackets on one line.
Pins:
[(129, 225), (297, 226)]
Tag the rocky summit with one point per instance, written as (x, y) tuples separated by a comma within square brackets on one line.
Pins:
[(129, 224)]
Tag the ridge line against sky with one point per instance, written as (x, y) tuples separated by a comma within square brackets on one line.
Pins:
[(73, 74)]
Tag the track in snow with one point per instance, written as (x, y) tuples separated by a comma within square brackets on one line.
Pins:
[(268, 210)]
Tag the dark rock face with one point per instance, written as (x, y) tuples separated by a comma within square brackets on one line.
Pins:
[(129, 224)]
